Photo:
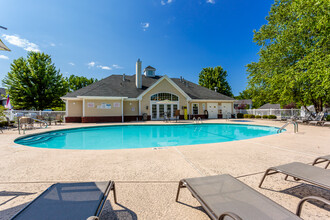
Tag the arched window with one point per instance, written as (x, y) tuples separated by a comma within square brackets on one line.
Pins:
[(164, 96)]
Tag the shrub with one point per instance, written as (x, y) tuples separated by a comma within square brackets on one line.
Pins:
[(265, 116), (245, 115), (328, 118), (272, 116), (258, 116), (251, 116), (3, 123), (240, 115)]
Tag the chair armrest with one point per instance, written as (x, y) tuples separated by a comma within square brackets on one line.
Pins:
[(92, 218), (230, 214), (303, 200)]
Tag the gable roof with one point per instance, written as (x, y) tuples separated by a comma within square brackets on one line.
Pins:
[(270, 106), (114, 86)]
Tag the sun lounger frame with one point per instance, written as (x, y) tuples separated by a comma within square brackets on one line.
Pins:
[(322, 159), (275, 170), (111, 186), (212, 215)]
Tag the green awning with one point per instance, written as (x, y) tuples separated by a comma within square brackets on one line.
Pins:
[(3, 46)]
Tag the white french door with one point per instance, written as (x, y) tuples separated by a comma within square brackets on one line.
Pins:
[(158, 110)]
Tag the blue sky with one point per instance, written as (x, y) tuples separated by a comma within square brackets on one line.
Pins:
[(100, 38)]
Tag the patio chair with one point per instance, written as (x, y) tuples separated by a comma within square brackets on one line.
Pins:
[(58, 119), (224, 195), (304, 119), (177, 115), (318, 119), (300, 171), (69, 201), (322, 159)]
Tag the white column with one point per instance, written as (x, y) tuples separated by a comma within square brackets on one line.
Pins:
[(66, 108), (140, 107), (83, 107), (122, 110)]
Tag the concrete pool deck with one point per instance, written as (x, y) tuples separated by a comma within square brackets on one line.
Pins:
[(146, 179)]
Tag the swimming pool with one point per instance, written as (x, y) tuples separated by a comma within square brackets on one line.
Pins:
[(143, 136)]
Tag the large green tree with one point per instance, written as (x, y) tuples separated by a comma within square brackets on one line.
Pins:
[(294, 56), (35, 83), (216, 77), (78, 82)]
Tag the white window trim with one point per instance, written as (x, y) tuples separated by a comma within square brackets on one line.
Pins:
[(192, 108)]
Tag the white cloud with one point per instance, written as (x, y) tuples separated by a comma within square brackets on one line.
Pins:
[(145, 26), (91, 64), (4, 57), (210, 1), (116, 66), (104, 67), (52, 44), (20, 42), (163, 2), (72, 64)]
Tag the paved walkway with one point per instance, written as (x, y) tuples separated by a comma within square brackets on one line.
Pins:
[(146, 179)]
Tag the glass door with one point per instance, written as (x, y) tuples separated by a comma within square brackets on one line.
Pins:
[(161, 110), (154, 111)]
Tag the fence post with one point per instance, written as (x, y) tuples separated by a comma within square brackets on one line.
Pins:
[(291, 111)]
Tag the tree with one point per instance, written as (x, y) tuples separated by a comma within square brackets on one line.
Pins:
[(35, 83), (215, 79), (78, 82), (294, 56)]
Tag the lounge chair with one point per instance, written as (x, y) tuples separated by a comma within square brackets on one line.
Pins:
[(300, 171), (69, 201), (326, 123), (318, 119), (322, 159), (224, 195)]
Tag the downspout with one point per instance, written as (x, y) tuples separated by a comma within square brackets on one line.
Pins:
[(122, 110)]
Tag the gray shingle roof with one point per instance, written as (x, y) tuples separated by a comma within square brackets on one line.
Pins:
[(115, 86), (270, 106)]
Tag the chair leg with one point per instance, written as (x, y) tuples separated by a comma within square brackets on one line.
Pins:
[(266, 174), (327, 165), (114, 193), (181, 185)]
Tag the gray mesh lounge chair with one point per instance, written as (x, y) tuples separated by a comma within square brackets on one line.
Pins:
[(300, 171), (69, 201), (322, 159), (223, 195)]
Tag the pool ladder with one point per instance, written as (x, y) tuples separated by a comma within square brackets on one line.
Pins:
[(199, 120), (295, 125)]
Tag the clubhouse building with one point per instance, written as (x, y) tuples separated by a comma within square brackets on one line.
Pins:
[(120, 98)]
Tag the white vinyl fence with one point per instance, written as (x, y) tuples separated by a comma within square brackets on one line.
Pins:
[(13, 114), (281, 113)]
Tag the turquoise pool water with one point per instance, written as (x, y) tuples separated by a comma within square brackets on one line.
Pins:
[(143, 136)]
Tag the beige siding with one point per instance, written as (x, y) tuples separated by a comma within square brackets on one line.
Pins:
[(163, 86), (94, 111), (74, 108), (200, 107), (131, 107)]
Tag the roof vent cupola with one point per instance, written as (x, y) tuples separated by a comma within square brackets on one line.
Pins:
[(149, 71)]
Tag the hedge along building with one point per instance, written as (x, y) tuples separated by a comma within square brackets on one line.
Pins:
[(120, 98)]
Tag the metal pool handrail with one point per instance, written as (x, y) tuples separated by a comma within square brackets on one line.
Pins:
[(295, 125)]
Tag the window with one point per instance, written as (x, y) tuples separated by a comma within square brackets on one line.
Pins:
[(164, 96), (195, 108)]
